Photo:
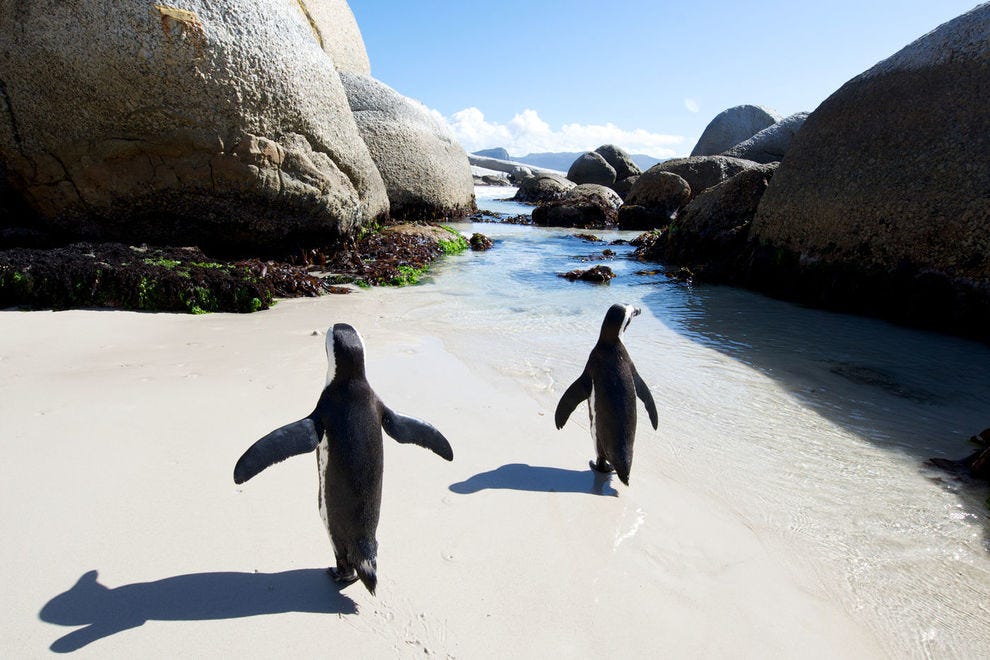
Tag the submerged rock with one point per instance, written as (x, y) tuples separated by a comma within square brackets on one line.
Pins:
[(976, 465), (597, 274), (480, 242)]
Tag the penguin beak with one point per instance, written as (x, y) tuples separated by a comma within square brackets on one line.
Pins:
[(637, 311)]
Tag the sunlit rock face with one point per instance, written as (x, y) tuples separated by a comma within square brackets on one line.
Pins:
[(223, 121)]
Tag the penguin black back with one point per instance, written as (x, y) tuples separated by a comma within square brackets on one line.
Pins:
[(345, 430), (611, 385)]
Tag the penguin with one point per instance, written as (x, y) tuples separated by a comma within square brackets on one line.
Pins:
[(345, 429), (611, 385)]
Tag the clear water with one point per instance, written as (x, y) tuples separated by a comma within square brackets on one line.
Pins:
[(812, 426)]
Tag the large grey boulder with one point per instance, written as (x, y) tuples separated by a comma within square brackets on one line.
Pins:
[(713, 229), (770, 144), (732, 126), (654, 200), (703, 172), (885, 192), (425, 169), (543, 188), (588, 205), (620, 161), (338, 34), (223, 122), (591, 168)]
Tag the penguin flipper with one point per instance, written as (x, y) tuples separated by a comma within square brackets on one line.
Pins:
[(415, 431), (573, 395), (643, 392), (289, 440)]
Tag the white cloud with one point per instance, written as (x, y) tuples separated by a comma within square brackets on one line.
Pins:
[(692, 105), (527, 133)]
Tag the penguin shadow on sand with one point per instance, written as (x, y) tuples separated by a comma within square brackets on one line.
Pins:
[(104, 611), (519, 476)]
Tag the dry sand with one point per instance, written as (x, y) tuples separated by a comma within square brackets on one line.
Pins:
[(125, 535)]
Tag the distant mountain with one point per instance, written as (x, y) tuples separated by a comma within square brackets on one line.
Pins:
[(559, 160)]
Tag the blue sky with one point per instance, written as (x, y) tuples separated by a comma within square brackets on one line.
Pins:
[(647, 75)]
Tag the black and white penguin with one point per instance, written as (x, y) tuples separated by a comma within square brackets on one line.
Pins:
[(345, 429), (611, 384)]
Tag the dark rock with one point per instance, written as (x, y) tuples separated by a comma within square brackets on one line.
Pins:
[(597, 274), (882, 205), (620, 161), (543, 188), (591, 168), (646, 238), (623, 186), (732, 126), (632, 216), (591, 238), (713, 229), (976, 465), (587, 206), (682, 274), (654, 200), (480, 242)]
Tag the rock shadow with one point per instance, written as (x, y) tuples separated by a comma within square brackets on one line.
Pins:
[(519, 476), (103, 611)]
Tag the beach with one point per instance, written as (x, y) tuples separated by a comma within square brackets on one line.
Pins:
[(122, 430), (781, 508)]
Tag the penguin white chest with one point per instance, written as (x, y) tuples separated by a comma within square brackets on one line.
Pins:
[(591, 415), (322, 456)]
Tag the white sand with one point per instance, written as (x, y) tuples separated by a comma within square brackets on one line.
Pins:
[(120, 432)]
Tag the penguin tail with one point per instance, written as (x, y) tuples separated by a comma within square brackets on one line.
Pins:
[(368, 574)]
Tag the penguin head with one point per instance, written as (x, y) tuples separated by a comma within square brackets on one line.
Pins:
[(345, 352), (616, 321)]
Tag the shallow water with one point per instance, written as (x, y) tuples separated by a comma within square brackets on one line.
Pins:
[(811, 426)]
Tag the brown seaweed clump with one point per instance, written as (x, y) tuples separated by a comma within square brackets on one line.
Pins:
[(145, 278)]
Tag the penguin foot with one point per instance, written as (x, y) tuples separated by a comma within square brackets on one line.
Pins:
[(345, 577), (601, 465)]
